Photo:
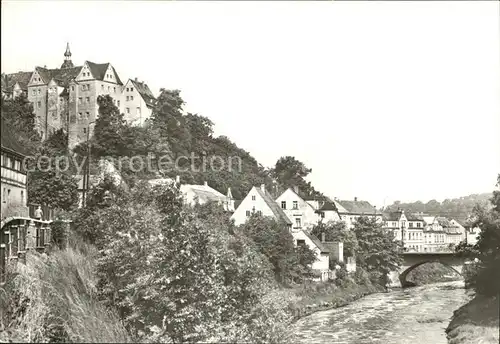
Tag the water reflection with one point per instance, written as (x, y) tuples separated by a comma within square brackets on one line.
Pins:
[(413, 315)]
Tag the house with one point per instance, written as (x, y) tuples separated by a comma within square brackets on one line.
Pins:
[(328, 212), (199, 194), (137, 102), (302, 213), (13, 190), (66, 97), (259, 201), (350, 211), (453, 232), (13, 85), (321, 267)]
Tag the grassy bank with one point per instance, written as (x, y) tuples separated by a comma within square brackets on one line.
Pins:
[(477, 322), (52, 298), (314, 297)]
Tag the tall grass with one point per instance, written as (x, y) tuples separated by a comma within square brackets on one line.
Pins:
[(52, 298)]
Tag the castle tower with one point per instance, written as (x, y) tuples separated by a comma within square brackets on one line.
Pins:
[(67, 58)]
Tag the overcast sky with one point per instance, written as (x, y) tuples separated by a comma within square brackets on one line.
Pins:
[(383, 100)]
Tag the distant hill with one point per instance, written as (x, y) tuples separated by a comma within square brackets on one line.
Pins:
[(457, 208)]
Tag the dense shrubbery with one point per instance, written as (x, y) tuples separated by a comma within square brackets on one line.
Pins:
[(176, 273)]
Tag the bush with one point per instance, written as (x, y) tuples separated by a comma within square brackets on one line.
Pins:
[(53, 298)]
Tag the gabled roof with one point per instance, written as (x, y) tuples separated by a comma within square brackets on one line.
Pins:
[(358, 207), (277, 211), (204, 192), (22, 78), (98, 71), (328, 205), (60, 76), (443, 222), (414, 217), (303, 200), (317, 242), (392, 216), (145, 92), (9, 141)]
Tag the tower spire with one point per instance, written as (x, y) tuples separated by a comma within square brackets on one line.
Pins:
[(67, 58)]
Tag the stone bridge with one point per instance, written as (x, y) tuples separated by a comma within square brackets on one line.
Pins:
[(413, 259)]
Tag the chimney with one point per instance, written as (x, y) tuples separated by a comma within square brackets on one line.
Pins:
[(296, 189), (205, 183), (322, 236), (263, 187), (178, 179), (355, 199)]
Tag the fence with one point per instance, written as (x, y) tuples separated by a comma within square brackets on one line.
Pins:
[(20, 235)]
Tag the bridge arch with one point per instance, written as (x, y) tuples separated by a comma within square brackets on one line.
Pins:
[(407, 270)]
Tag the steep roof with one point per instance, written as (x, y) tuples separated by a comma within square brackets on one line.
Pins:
[(317, 242), (295, 193), (204, 192), (443, 222), (98, 71), (328, 205), (9, 141), (22, 78), (414, 217), (392, 216), (145, 92), (277, 211), (61, 75), (358, 207)]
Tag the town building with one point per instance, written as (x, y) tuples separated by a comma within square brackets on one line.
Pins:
[(66, 97), (13, 189), (350, 211), (137, 102), (302, 213), (199, 194), (328, 212), (320, 267), (259, 201)]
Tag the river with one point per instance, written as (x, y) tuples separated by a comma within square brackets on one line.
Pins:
[(413, 315)]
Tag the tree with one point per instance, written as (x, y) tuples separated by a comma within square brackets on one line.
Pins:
[(487, 280), (290, 172), (18, 113), (109, 130), (337, 232), (377, 253), (56, 190), (273, 239)]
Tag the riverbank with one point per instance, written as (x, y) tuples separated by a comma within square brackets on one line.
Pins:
[(476, 322), (325, 296)]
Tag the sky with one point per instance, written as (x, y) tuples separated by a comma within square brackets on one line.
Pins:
[(384, 101)]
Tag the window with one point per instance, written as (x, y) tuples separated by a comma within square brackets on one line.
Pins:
[(33, 92), (84, 130), (84, 87), (322, 214), (418, 224), (87, 99), (131, 89), (259, 212), (118, 103), (128, 98), (39, 104), (298, 222), (128, 110), (248, 212), (411, 224), (72, 88), (102, 87), (283, 204), (87, 115), (22, 197), (138, 110), (253, 198), (301, 242), (295, 205), (39, 91), (80, 115), (131, 97), (114, 89), (79, 100), (127, 89)]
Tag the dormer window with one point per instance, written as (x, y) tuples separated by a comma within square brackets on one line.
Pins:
[(253, 198)]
